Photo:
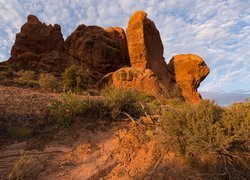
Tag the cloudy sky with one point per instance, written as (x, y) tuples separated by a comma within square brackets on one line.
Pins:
[(217, 30)]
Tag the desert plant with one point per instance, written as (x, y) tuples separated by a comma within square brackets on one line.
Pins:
[(64, 110), (119, 100), (207, 132), (4, 76), (47, 81), (73, 79), (22, 167), (26, 75), (27, 78)]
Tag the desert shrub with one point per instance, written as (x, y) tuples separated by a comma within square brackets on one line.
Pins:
[(26, 78), (118, 100), (208, 134), (4, 76), (26, 75), (22, 167), (69, 106), (73, 79), (64, 110), (112, 103), (47, 81)]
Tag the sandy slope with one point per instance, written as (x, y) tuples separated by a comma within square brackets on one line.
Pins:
[(90, 150)]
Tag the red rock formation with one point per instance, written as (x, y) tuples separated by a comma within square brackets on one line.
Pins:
[(148, 71), (102, 51), (144, 80), (39, 47), (189, 70), (145, 46)]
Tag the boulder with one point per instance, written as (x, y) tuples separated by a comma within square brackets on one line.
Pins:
[(39, 47), (137, 78), (189, 71)]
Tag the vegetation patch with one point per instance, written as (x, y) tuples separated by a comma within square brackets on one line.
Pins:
[(210, 136), (48, 82), (22, 168), (73, 79)]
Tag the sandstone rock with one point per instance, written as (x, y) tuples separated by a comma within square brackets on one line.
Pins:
[(141, 79), (39, 47), (189, 71), (102, 51), (145, 46)]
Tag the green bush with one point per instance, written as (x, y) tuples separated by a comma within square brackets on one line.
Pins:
[(47, 82), (207, 132), (73, 79), (64, 110), (118, 100)]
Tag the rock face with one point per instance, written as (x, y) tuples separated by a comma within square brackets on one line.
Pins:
[(189, 70), (145, 80), (39, 47), (102, 51), (145, 45)]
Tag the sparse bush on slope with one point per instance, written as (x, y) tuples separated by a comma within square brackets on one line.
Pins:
[(65, 110), (112, 104), (73, 79), (211, 136), (27, 78), (47, 82), (117, 101)]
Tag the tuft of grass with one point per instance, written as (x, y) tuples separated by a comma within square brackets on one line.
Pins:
[(210, 136), (22, 168)]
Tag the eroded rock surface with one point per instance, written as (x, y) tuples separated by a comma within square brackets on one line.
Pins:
[(144, 80), (189, 71), (39, 47), (102, 51), (145, 45)]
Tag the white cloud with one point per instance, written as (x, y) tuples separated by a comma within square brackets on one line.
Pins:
[(217, 30)]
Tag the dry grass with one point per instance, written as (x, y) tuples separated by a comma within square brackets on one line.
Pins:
[(22, 168)]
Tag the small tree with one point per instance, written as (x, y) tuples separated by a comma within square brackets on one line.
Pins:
[(73, 79)]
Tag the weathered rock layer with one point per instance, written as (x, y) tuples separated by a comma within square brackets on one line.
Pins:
[(102, 51), (39, 47)]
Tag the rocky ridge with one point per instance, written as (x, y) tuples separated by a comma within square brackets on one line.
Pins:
[(129, 60)]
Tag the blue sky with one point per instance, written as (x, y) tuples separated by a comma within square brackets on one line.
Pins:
[(217, 30)]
